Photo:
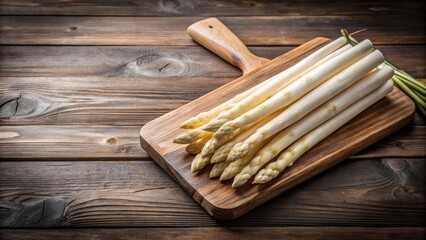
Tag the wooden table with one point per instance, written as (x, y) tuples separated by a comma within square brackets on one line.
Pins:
[(79, 78)]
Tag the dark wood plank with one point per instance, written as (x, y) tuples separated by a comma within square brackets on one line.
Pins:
[(258, 30), (419, 119), (106, 141), (207, 8), (116, 61), (24, 98), (65, 142), (407, 142), (145, 61), (96, 100), (255, 233), (68, 142), (83, 101), (370, 193), (155, 86)]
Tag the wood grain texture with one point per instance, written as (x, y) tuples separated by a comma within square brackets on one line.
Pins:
[(65, 142), (368, 196), (257, 30), (407, 142), (147, 93), (83, 101), (369, 193), (94, 142), (95, 100), (207, 8), (223, 202), (114, 61), (146, 61), (249, 233)]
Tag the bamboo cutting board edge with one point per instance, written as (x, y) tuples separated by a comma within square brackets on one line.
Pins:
[(207, 199)]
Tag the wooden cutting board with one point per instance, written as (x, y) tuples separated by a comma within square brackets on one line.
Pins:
[(219, 199)]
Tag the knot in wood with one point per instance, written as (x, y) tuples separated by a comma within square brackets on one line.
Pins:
[(23, 106), (174, 6), (159, 65)]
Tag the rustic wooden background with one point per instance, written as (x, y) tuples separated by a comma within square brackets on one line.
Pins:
[(78, 79)]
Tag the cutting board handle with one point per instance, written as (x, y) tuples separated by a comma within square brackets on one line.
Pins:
[(215, 36)]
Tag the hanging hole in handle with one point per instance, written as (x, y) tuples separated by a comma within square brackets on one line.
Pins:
[(210, 26)]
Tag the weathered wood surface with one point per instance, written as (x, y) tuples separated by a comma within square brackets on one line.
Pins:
[(380, 192), (269, 30), (249, 233), (64, 100), (207, 8), (373, 193), (136, 90), (122, 143), (69, 142), (83, 101), (147, 61)]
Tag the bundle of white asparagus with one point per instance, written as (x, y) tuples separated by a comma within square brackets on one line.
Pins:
[(281, 118)]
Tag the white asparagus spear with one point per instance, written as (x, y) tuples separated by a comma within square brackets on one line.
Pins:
[(273, 85), (191, 136), (199, 162), (298, 88), (217, 169), (203, 158), (196, 147), (315, 118), (309, 102), (221, 153), (331, 55), (235, 167), (204, 117), (214, 143), (301, 146)]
